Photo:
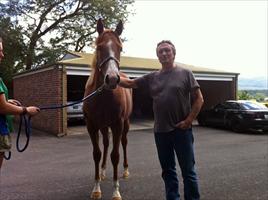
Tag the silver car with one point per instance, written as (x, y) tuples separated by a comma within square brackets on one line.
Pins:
[(75, 111)]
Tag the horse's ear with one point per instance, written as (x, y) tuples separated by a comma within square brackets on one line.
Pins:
[(100, 27), (119, 28)]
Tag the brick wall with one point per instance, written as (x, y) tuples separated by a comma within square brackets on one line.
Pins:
[(44, 87)]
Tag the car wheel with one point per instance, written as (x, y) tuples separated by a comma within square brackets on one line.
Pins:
[(236, 126)]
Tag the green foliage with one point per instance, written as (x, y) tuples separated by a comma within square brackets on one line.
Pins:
[(244, 95), (258, 95), (14, 49), (51, 27), (254, 92)]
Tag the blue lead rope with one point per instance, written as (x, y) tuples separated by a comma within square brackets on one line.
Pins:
[(27, 126), (27, 120), (97, 91)]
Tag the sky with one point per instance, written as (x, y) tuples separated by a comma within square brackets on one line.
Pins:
[(224, 35)]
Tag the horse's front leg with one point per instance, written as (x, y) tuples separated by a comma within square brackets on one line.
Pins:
[(124, 142), (117, 134), (105, 140), (94, 135)]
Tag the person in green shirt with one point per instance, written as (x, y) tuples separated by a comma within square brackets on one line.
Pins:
[(9, 107)]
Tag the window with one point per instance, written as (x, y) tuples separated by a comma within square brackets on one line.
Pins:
[(253, 106)]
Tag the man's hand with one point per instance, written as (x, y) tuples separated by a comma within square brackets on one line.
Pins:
[(185, 124), (127, 83), (197, 104)]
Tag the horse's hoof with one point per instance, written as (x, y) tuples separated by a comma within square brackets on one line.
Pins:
[(95, 195), (116, 195), (116, 198), (126, 174)]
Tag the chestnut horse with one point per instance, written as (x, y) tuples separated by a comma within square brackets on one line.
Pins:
[(110, 108)]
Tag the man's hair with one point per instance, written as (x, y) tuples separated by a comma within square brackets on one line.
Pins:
[(1, 40), (168, 42)]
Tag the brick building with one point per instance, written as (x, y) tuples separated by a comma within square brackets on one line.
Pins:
[(41, 87)]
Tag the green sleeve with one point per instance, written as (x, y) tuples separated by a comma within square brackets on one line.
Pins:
[(2, 87), (9, 118)]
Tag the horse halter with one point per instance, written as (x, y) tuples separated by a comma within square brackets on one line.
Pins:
[(106, 60)]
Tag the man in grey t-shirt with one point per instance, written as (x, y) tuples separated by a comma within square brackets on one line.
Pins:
[(177, 100)]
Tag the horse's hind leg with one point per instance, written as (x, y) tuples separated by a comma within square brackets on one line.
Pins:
[(105, 139), (124, 142), (96, 192)]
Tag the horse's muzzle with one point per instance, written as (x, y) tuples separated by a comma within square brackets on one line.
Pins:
[(111, 81)]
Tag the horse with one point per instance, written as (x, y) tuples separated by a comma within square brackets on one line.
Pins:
[(111, 108)]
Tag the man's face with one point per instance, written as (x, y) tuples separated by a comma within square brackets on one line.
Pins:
[(1, 52), (165, 53)]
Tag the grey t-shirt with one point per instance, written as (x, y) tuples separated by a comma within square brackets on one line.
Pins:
[(170, 91)]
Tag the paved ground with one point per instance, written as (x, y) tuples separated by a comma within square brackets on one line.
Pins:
[(231, 166), (78, 127)]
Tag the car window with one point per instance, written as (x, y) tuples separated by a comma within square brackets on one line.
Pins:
[(229, 105), (234, 105), (253, 106), (223, 106)]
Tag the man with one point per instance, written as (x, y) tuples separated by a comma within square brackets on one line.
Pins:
[(7, 107), (177, 100)]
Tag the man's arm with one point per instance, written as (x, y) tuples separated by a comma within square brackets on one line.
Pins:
[(127, 82), (196, 107)]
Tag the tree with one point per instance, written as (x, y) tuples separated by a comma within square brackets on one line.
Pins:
[(50, 27), (244, 95), (259, 97), (13, 44)]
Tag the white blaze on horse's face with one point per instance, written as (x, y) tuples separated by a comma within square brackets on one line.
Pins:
[(112, 71), (111, 68)]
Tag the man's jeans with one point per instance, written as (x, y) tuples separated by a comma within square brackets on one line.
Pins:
[(181, 142)]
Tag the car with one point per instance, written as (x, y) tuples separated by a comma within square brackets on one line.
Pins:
[(237, 115), (75, 111)]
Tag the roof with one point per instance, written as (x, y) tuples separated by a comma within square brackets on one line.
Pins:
[(78, 63), (85, 59)]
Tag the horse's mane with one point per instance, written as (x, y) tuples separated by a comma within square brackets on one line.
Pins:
[(93, 70), (90, 81)]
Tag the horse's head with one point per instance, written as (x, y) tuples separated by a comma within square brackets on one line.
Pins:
[(108, 51)]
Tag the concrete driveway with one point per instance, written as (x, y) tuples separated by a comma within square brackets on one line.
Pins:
[(230, 166)]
